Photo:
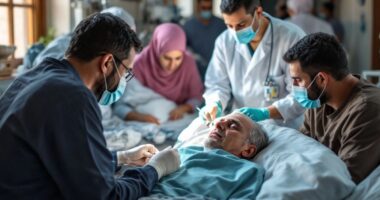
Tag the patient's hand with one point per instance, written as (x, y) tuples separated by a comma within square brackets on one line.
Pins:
[(136, 116), (177, 113)]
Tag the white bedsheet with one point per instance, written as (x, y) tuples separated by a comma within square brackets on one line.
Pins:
[(369, 188), (145, 100), (298, 167), (122, 134)]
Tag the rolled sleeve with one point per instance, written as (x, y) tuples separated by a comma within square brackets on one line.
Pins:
[(289, 108)]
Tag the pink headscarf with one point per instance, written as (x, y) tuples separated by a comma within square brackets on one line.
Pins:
[(182, 86)]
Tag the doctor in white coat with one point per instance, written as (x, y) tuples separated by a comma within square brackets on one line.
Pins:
[(247, 68)]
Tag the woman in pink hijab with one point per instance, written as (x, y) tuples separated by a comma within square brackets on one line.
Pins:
[(165, 67)]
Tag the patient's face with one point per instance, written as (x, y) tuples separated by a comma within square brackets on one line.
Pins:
[(230, 133)]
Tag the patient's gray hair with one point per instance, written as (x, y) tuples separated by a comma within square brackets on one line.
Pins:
[(257, 136)]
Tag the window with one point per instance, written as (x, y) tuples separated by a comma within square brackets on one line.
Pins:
[(22, 23)]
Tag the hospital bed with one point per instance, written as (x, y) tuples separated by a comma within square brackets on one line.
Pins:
[(297, 167)]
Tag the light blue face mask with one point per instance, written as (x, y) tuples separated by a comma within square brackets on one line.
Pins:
[(108, 97), (300, 95), (245, 35), (206, 14)]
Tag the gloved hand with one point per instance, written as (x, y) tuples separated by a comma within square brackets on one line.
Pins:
[(137, 156), (210, 111), (256, 114), (165, 162)]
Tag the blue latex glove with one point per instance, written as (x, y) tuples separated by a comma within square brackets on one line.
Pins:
[(214, 109), (256, 114)]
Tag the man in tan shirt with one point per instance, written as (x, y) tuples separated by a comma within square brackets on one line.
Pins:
[(343, 109)]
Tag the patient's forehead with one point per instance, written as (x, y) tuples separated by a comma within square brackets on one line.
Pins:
[(242, 119)]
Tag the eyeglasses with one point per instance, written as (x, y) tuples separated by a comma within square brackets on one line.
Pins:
[(130, 73)]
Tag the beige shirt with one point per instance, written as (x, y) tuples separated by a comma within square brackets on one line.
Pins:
[(352, 131)]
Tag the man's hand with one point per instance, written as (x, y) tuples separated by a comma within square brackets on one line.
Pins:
[(256, 114), (210, 111), (138, 156)]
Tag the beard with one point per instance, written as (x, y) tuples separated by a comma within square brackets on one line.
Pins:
[(316, 92), (100, 86), (211, 144)]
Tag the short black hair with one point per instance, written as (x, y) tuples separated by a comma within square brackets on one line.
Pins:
[(102, 33), (329, 6), (231, 6), (319, 52)]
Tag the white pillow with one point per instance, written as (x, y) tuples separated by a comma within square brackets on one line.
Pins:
[(299, 167), (368, 188)]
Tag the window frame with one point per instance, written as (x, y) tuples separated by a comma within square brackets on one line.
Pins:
[(37, 21)]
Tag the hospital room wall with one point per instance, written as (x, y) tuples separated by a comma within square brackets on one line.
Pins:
[(58, 12), (58, 16), (357, 20), (358, 41)]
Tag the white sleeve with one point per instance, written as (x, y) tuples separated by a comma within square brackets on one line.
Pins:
[(289, 108), (217, 82)]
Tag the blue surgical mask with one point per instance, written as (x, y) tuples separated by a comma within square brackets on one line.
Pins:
[(245, 35), (108, 97), (300, 95), (206, 14)]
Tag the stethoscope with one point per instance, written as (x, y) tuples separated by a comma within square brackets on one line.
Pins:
[(271, 88), (267, 79)]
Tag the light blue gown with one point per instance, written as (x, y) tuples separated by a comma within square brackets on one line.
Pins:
[(212, 173)]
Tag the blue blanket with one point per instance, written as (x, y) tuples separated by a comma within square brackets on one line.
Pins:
[(212, 173)]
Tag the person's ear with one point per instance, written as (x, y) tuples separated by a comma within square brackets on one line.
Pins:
[(249, 150), (259, 12), (322, 78), (290, 12), (106, 63)]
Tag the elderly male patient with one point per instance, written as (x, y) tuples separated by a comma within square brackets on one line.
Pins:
[(221, 168)]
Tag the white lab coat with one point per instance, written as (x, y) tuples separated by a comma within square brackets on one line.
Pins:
[(234, 74)]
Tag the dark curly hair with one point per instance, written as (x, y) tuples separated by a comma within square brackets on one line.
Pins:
[(102, 33), (319, 52), (230, 6)]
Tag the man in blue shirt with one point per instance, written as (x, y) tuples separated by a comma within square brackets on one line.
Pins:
[(201, 31), (51, 137)]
